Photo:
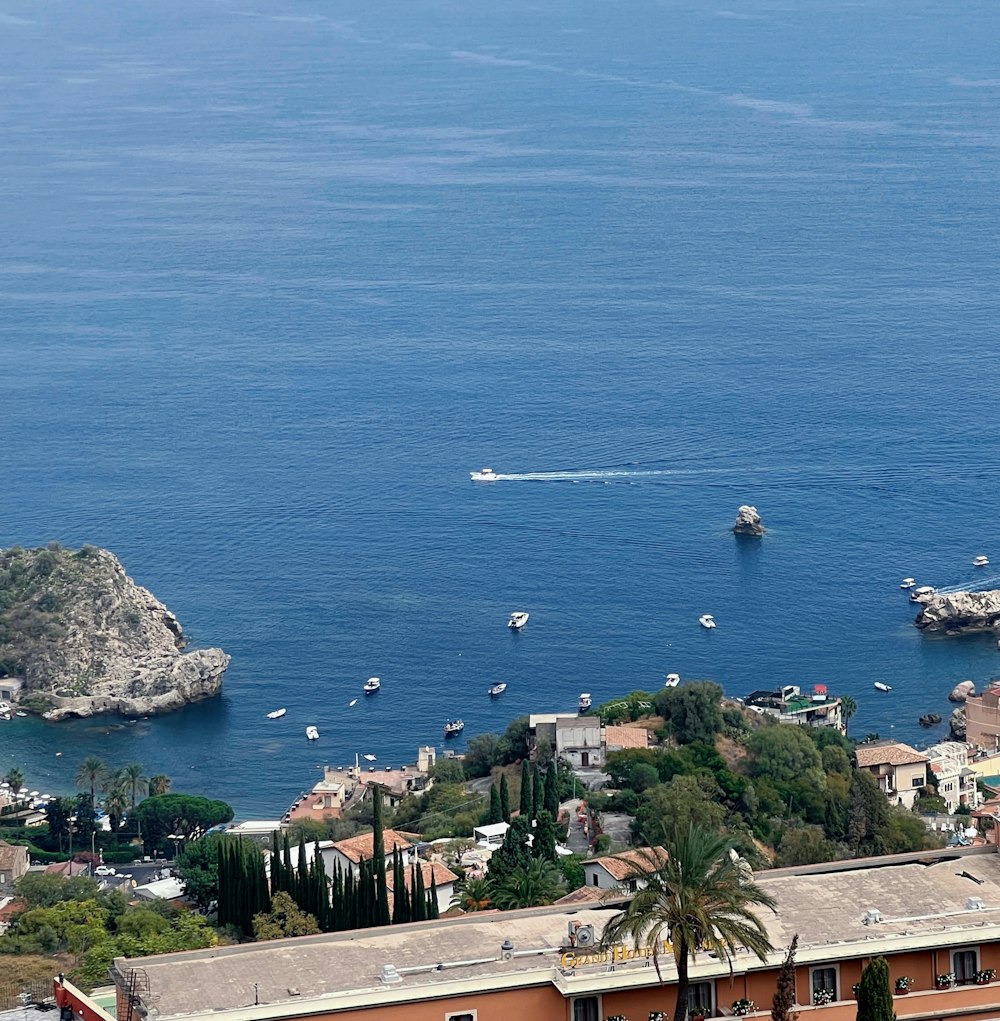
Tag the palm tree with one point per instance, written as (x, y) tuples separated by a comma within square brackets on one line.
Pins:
[(159, 784), (134, 780), (540, 883), (90, 774), (699, 897), (15, 778), (849, 707), (116, 805), (475, 895)]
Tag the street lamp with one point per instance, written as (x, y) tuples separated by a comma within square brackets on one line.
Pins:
[(176, 838)]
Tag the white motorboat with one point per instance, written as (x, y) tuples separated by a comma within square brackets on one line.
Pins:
[(706, 620), (585, 702), (369, 757), (672, 680), (922, 594), (6, 707), (981, 561), (353, 702), (372, 685), (20, 712), (882, 686), (498, 689), (453, 727), (277, 714), (486, 475), (312, 733), (908, 583), (517, 620)]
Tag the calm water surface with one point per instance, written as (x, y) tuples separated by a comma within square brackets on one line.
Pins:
[(275, 276)]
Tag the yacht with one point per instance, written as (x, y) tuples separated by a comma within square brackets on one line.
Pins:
[(882, 686), (585, 702), (372, 685), (277, 714), (486, 475), (498, 689), (908, 583), (672, 680), (981, 561), (517, 620), (922, 594), (312, 733), (706, 620), (453, 727)]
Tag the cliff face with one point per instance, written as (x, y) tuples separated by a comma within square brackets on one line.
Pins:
[(86, 639), (957, 612)]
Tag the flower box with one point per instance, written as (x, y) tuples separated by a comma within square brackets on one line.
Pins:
[(903, 984), (743, 1007), (821, 997), (945, 981)]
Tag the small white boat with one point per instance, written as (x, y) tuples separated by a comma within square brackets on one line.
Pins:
[(517, 620), (370, 758), (672, 680), (498, 689), (453, 727), (908, 583), (920, 595), (706, 620), (277, 714), (20, 712), (585, 702), (353, 702), (882, 686), (372, 685), (980, 561), (485, 475), (312, 733)]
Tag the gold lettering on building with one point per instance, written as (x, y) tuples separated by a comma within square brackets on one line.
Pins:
[(615, 954)]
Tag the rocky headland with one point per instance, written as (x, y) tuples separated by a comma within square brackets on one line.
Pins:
[(84, 638), (748, 522), (961, 612)]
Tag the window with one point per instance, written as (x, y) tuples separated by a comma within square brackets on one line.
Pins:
[(823, 983), (468, 1015), (700, 995), (965, 964), (917, 781), (586, 1008), (596, 883)]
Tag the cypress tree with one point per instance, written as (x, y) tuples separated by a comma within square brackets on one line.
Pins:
[(275, 862), (398, 888), (504, 798), (552, 791), (544, 844), (524, 806), (421, 898), (300, 892), (432, 898), (378, 856), (414, 905), (496, 812), (537, 792), (287, 873), (874, 994)]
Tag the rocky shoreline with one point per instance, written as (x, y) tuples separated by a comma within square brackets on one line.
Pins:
[(83, 638), (960, 613)]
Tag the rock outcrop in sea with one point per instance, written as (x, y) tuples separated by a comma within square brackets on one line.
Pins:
[(930, 720), (961, 612), (748, 522), (956, 724), (962, 691), (86, 639)]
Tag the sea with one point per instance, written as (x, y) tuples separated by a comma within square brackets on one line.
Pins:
[(276, 275)]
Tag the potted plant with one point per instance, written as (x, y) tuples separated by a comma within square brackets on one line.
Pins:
[(696, 1012), (903, 984), (616, 1017), (823, 996), (657, 1015), (984, 976), (743, 1007), (945, 980)]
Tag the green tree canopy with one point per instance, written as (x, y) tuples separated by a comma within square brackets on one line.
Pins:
[(685, 801), (284, 919), (198, 868), (482, 753), (693, 711), (785, 755), (187, 814), (540, 883)]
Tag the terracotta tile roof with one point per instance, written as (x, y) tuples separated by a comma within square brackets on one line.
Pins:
[(621, 866), (626, 737), (68, 868), (442, 875), (584, 895), (359, 848), (892, 754), (12, 856)]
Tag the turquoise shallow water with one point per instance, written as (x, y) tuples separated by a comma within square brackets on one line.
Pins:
[(275, 278)]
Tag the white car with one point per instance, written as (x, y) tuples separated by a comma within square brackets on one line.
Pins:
[(104, 870)]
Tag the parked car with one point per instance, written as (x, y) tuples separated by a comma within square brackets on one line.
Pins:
[(104, 870)]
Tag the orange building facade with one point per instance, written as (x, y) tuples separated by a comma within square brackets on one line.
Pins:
[(931, 915)]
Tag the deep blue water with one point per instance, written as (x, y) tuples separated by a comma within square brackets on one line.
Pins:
[(276, 275)]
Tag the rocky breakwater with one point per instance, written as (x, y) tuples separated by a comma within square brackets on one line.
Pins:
[(961, 612), (748, 522), (86, 639)]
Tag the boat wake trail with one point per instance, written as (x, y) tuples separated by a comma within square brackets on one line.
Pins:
[(977, 585), (596, 475)]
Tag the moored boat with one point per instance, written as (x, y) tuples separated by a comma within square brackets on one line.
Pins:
[(882, 686), (980, 561), (485, 475), (372, 685), (672, 680), (585, 702), (277, 714), (706, 620), (312, 733), (453, 727), (920, 595), (908, 583), (517, 620), (498, 689)]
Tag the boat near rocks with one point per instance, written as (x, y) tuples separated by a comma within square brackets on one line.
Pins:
[(672, 680), (907, 583), (922, 594), (585, 702)]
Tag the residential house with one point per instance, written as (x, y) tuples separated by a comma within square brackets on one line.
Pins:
[(350, 853), (443, 878), (956, 781), (13, 865), (612, 871), (900, 770), (68, 869), (787, 704), (578, 741), (617, 738)]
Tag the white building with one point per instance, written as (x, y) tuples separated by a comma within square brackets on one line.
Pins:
[(443, 878), (956, 782), (613, 870)]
